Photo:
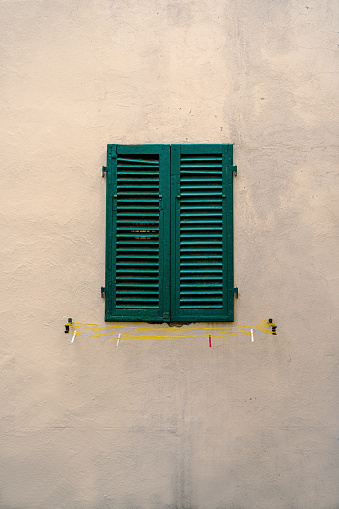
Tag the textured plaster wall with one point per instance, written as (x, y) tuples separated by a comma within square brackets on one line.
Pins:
[(167, 424)]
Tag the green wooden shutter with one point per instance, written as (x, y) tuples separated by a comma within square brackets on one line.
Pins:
[(202, 233), (137, 224)]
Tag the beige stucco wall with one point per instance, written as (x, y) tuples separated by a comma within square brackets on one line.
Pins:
[(168, 424)]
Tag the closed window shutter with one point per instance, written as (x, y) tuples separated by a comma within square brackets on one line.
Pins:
[(202, 233), (137, 218)]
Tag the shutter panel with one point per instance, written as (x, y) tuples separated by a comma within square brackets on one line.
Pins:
[(202, 233), (137, 256)]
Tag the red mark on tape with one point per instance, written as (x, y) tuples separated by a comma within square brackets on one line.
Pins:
[(210, 341)]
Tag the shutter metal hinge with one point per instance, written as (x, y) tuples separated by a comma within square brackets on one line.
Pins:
[(235, 170), (103, 292), (104, 170), (236, 292)]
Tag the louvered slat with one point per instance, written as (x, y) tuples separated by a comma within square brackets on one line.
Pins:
[(201, 187), (143, 188)]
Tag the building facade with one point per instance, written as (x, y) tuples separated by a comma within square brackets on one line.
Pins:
[(163, 420)]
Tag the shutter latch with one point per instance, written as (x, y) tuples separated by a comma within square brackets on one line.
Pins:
[(104, 170), (166, 316), (235, 170), (236, 292), (103, 292)]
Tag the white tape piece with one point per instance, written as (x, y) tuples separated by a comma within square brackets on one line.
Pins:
[(118, 339), (252, 337), (73, 337)]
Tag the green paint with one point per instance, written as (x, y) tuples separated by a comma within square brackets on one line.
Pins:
[(169, 233)]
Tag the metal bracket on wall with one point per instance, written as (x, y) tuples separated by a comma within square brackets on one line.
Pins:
[(274, 327), (67, 325), (236, 292), (104, 171), (235, 170), (103, 292)]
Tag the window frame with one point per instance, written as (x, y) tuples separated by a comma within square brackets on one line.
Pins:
[(169, 252)]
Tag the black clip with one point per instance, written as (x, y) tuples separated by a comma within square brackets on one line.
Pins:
[(104, 170), (274, 327), (67, 325)]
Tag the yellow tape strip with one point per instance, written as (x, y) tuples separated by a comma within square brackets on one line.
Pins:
[(109, 331), (103, 336), (118, 326)]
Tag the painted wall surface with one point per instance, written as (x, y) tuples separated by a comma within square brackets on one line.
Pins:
[(168, 424)]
